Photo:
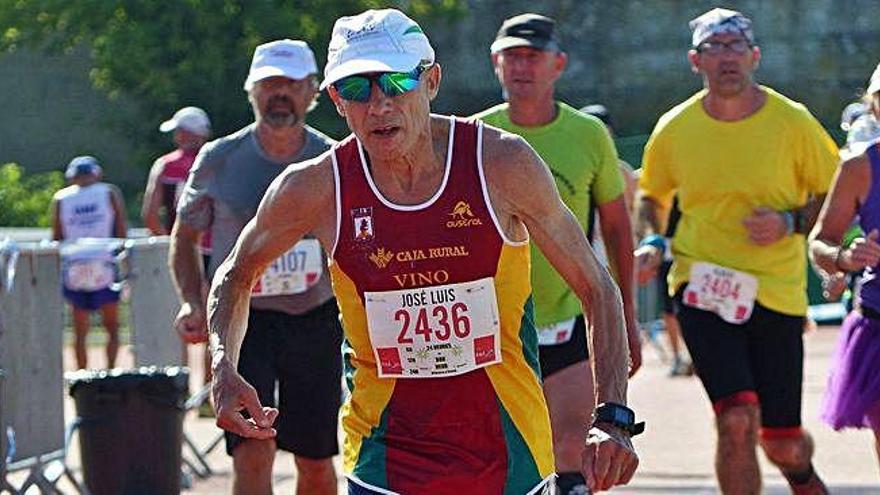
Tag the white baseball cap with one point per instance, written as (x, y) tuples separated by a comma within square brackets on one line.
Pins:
[(286, 58), (375, 41), (874, 82), (192, 119)]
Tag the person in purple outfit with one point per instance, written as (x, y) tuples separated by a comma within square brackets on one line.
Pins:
[(852, 399)]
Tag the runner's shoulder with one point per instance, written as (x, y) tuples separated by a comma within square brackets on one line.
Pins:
[(675, 116), (492, 115), (215, 151), (308, 177)]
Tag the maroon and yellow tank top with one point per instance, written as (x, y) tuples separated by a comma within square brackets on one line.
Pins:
[(440, 347)]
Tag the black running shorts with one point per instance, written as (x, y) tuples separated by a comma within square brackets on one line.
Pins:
[(554, 358), (301, 355), (765, 355)]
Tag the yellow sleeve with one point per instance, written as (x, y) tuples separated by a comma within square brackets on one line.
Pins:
[(817, 156), (656, 179)]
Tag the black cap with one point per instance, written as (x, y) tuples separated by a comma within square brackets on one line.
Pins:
[(533, 30)]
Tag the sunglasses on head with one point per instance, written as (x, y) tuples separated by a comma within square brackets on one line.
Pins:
[(358, 87)]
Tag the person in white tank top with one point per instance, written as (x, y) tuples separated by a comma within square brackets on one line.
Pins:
[(89, 208)]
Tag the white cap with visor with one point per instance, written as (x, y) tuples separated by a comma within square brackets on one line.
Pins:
[(375, 41)]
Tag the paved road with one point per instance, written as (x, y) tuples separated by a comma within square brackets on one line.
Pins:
[(676, 450)]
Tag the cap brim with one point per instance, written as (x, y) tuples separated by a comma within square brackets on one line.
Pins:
[(168, 126), (272, 71), (396, 62), (506, 42), (873, 87)]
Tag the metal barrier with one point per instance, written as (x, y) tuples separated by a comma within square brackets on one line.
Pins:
[(31, 346)]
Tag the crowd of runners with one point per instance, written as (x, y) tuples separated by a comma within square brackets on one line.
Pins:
[(440, 268)]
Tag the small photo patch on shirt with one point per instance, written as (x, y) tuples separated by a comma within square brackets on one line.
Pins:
[(363, 223)]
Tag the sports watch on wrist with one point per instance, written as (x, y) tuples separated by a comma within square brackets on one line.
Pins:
[(618, 416)]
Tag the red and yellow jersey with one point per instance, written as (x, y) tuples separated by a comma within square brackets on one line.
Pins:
[(440, 351)]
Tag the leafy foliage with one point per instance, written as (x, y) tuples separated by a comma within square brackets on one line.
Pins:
[(169, 53), (25, 199)]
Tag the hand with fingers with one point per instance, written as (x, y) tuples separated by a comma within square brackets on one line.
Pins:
[(765, 226), (234, 396), (190, 324), (608, 459), (861, 253)]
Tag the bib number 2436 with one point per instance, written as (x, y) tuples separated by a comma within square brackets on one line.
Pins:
[(434, 331)]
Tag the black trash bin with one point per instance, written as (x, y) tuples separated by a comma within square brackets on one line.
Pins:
[(130, 429)]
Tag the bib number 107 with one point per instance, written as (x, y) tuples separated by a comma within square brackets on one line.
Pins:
[(440, 324)]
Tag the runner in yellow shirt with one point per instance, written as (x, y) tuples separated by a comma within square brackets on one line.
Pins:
[(749, 167)]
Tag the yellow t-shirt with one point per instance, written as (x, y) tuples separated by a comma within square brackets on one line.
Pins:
[(721, 171)]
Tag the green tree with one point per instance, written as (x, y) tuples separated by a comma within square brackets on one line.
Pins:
[(25, 199), (168, 53)]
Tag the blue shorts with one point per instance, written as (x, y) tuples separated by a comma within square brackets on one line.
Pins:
[(90, 300)]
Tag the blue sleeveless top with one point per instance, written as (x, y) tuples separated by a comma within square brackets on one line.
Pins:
[(869, 219)]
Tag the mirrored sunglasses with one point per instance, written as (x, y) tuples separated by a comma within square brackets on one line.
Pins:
[(358, 87)]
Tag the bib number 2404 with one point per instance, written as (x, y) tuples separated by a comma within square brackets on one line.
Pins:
[(728, 293)]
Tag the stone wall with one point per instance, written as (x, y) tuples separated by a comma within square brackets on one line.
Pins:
[(631, 55)]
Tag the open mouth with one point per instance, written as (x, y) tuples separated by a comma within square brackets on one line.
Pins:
[(385, 131)]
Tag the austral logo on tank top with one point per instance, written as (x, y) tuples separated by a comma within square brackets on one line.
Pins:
[(462, 216)]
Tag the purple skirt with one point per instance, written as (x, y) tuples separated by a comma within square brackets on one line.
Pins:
[(852, 398)]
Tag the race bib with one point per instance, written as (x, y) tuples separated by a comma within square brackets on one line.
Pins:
[(89, 275), (557, 333), (89, 265), (444, 330), (728, 293), (294, 272)]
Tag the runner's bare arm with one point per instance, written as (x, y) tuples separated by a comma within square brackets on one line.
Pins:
[(119, 226), (153, 201), (185, 264), (523, 193), (617, 235), (57, 232), (849, 189), (183, 259), (299, 201), (650, 219)]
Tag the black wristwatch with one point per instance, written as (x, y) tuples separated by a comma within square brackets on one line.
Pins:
[(619, 416)]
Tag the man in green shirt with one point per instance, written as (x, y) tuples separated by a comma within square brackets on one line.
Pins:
[(581, 156)]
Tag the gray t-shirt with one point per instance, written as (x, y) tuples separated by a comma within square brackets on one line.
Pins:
[(224, 189)]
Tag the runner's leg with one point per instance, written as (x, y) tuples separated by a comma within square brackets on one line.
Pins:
[(252, 462), (81, 325), (315, 476), (720, 353), (110, 319)]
